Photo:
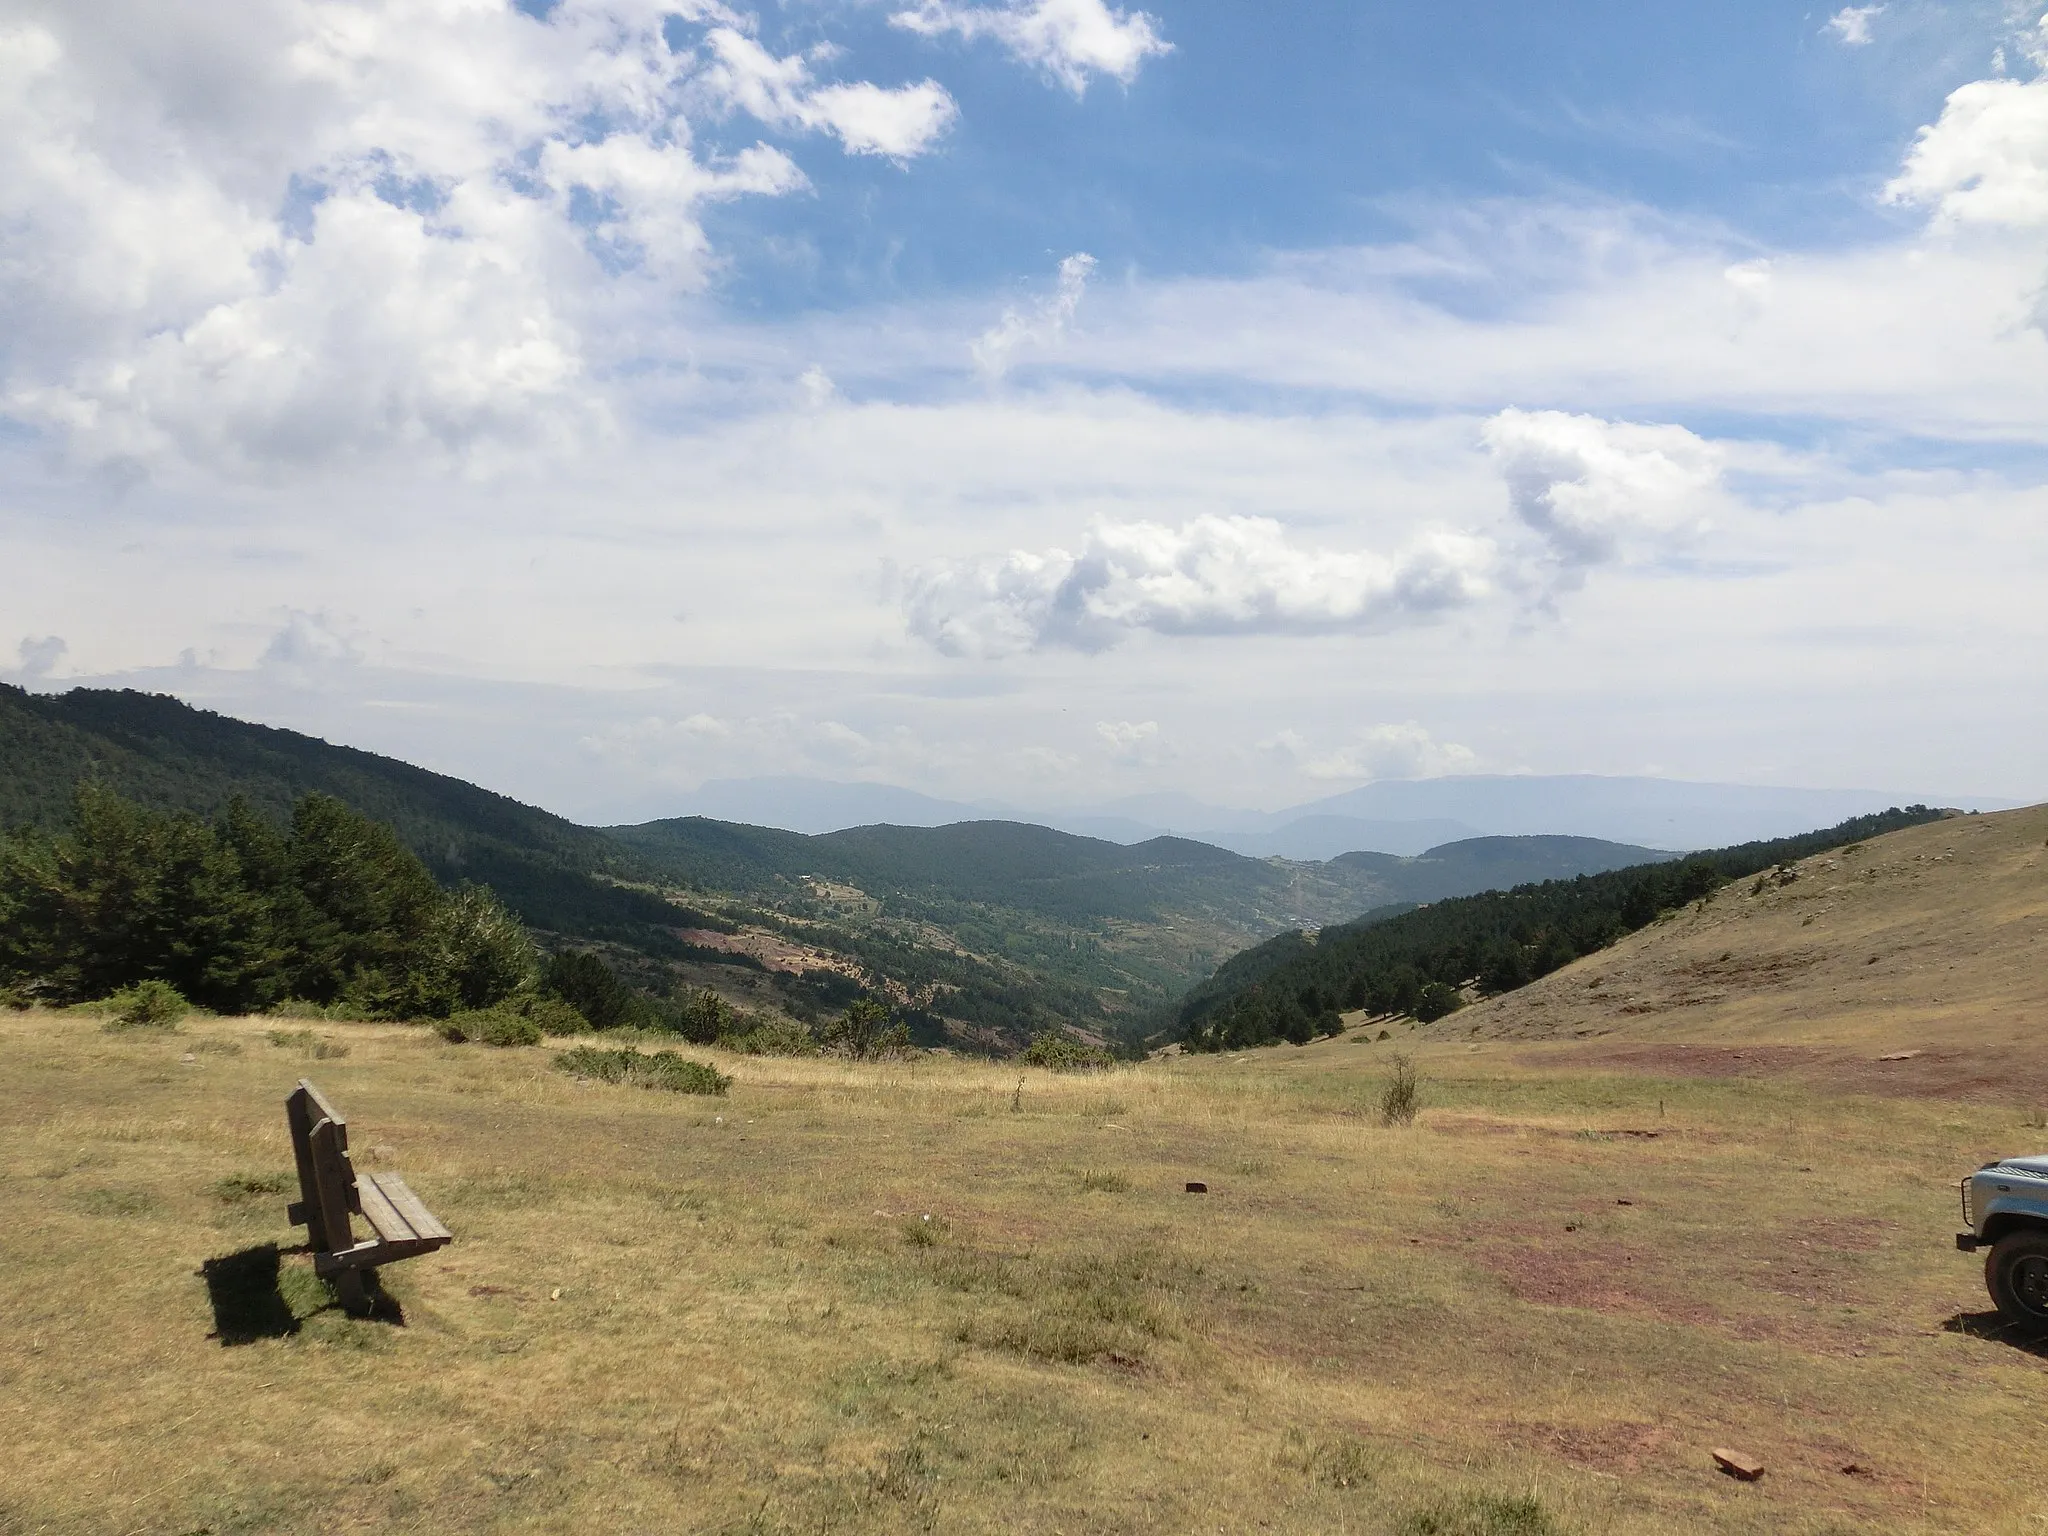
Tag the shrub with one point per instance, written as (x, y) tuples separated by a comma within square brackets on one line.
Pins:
[(771, 1035), (1058, 1051), (663, 1069), (146, 1005), (1401, 1098), (864, 1031), (1108, 1183), (502, 1027), (552, 1015)]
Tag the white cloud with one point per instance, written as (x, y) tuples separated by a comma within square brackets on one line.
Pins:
[(308, 646), (868, 119), (1210, 576), (1985, 160), (1069, 39), (39, 656), (1852, 24), (1589, 488), (1132, 743), (318, 229), (1044, 326), (1403, 751)]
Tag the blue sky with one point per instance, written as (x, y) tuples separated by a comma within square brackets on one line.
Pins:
[(1339, 124), (1039, 400)]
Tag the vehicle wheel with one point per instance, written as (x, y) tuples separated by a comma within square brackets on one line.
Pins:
[(2016, 1274)]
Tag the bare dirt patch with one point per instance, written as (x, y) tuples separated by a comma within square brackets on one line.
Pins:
[(1988, 1073)]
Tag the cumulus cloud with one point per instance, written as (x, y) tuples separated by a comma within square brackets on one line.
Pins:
[(308, 646), (867, 119), (1589, 488), (1071, 40), (1042, 326), (1211, 576), (39, 656), (374, 224), (1852, 24), (1984, 161), (1403, 751), (1132, 743)]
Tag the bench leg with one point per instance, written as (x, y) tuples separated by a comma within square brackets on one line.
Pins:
[(354, 1296)]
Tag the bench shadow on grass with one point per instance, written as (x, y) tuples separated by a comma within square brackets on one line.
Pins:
[(249, 1302), (1999, 1329)]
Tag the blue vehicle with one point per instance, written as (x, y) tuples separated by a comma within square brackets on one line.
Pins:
[(2005, 1207)]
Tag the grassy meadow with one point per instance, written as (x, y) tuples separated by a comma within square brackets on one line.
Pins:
[(944, 1295)]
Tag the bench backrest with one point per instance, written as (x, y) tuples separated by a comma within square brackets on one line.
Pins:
[(327, 1180)]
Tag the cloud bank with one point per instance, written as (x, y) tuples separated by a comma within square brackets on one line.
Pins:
[(300, 231)]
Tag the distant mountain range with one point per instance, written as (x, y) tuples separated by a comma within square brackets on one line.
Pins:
[(1404, 817), (983, 930)]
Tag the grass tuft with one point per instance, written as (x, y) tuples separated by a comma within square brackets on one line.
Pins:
[(1481, 1514), (241, 1188), (1401, 1095)]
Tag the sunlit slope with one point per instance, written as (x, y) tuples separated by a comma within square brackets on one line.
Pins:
[(1932, 937)]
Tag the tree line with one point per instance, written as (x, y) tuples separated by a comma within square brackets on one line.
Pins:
[(1420, 962), (240, 914)]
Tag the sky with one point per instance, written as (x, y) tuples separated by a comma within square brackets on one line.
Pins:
[(1039, 401)]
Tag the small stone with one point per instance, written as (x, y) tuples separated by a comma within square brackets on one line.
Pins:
[(188, 1056), (1197, 1187), (1737, 1464)]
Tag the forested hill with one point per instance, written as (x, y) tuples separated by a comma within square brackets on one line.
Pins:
[(166, 755), (998, 928), (1419, 962)]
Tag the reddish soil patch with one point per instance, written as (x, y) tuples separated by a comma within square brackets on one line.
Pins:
[(1990, 1073), (1613, 1448)]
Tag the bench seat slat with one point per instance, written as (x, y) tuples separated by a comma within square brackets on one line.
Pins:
[(380, 1213), (423, 1221)]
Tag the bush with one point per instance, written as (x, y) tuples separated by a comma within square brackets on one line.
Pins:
[(146, 1005), (499, 1026), (771, 1035), (864, 1031), (1401, 1098), (551, 1015), (663, 1069), (1058, 1051)]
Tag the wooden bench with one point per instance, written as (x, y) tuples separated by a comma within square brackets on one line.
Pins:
[(331, 1191)]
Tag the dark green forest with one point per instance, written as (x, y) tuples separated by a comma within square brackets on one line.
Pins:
[(1416, 961), (241, 913)]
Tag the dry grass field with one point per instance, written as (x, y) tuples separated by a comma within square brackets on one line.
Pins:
[(949, 1296)]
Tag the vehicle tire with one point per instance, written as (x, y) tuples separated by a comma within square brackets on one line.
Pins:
[(2016, 1274)]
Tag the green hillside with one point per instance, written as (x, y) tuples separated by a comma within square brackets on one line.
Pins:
[(1420, 962), (983, 932)]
